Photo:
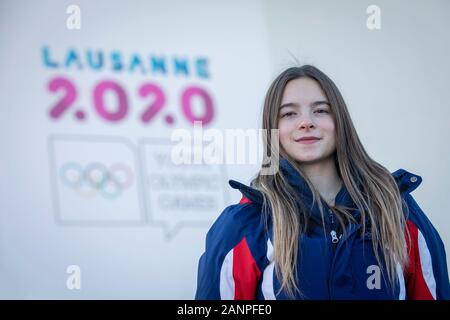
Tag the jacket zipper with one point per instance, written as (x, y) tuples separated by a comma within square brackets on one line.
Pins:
[(351, 229), (333, 233)]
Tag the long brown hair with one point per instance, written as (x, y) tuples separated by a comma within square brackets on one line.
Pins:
[(370, 185)]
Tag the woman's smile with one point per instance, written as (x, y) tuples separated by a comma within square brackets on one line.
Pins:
[(307, 140)]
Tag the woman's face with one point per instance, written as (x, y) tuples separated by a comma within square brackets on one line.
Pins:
[(305, 113)]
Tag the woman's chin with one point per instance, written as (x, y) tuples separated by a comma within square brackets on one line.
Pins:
[(307, 160)]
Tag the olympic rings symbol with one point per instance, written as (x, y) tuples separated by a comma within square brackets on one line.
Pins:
[(96, 178)]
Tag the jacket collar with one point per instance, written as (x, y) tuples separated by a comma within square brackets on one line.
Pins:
[(304, 192), (406, 181)]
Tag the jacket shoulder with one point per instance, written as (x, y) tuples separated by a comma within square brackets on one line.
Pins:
[(235, 222)]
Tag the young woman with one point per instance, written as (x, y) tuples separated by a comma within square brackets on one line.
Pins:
[(331, 223)]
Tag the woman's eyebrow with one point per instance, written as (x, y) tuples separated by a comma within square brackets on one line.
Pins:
[(313, 104), (318, 103)]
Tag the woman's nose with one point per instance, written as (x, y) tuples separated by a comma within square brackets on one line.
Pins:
[(306, 123)]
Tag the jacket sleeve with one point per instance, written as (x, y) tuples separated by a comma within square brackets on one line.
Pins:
[(426, 276), (227, 269)]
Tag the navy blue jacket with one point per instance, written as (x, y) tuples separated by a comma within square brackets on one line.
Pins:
[(238, 260)]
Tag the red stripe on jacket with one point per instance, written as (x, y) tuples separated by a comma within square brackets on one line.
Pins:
[(245, 272), (244, 200), (416, 286)]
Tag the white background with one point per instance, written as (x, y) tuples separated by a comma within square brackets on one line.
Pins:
[(394, 80)]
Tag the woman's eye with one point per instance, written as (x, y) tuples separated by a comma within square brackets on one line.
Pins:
[(287, 114), (322, 111)]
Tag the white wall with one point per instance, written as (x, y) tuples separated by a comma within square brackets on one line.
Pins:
[(126, 247)]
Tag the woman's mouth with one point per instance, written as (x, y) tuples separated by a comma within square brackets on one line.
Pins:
[(307, 140)]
